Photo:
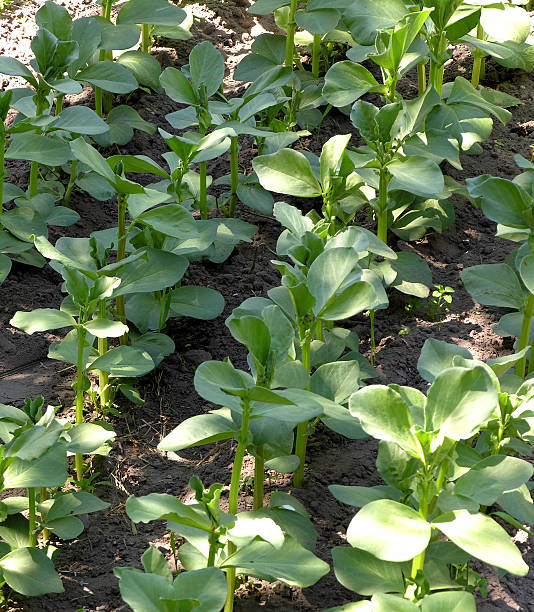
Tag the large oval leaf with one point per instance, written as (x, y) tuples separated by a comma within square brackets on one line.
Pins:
[(389, 530)]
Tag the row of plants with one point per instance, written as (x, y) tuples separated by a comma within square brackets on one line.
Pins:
[(450, 459)]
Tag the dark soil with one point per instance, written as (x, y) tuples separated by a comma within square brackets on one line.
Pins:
[(135, 466)]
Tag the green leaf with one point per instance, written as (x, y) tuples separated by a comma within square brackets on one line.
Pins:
[(365, 17), (292, 563), (483, 538), (66, 528), (56, 19), (459, 401), (79, 120), (389, 530), (109, 76), (49, 470), (145, 67), (171, 220), (197, 302), (359, 496), (449, 601), (155, 12), (437, 356), (331, 158), (320, 21), (24, 223), (490, 478), (287, 171), (264, 7), (143, 591), (363, 573), (124, 361), (494, 285), (337, 380), (200, 429), (327, 274), (346, 82), (30, 572), (86, 438), (417, 175), (384, 415), (12, 67), (5, 267), (155, 563), (206, 585), (33, 442), (106, 328), (42, 319), (177, 86), (502, 201), (44, 150), (206, 65)]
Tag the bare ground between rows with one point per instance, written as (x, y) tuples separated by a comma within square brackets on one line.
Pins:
[(135, 466)]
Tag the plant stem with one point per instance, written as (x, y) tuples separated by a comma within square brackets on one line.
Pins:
[(421, 77), (301, 439), (106, 13), (477, 59), (382, 214), (145, 38), (525, 336), (2, 168), (213, 539), (290, 38), (32, 524), (59, 104), (122, 201), (45, 532), (316, 55), (103, 377), (319, 329), (259, 477), (78, 459), (373, 343), (72, 180), (34, 175), (436, 71), (234, 170), (203, 199), (234, 495), (419, 561)]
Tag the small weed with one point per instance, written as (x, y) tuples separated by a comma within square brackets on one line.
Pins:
[(439, 301), (404, 330)]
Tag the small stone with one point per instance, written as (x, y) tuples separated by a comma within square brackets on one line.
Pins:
[(197, 356)]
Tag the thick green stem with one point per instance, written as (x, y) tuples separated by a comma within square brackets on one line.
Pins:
[(234, 170), (2, 169), (59, 104), (32, 522), (259, 478), (34, 175), (103, 377), (319, 329), (203, 198), (80, 373), (146, 39), (316, 55), (477, 59), (106, 13), (72, 180), (234, 495), (213, 540), (290, 38), (525, 336), (419, 561), (122, 201), (301, 440), (382, 214), (43, 497), (437, 70), (421, 77)]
